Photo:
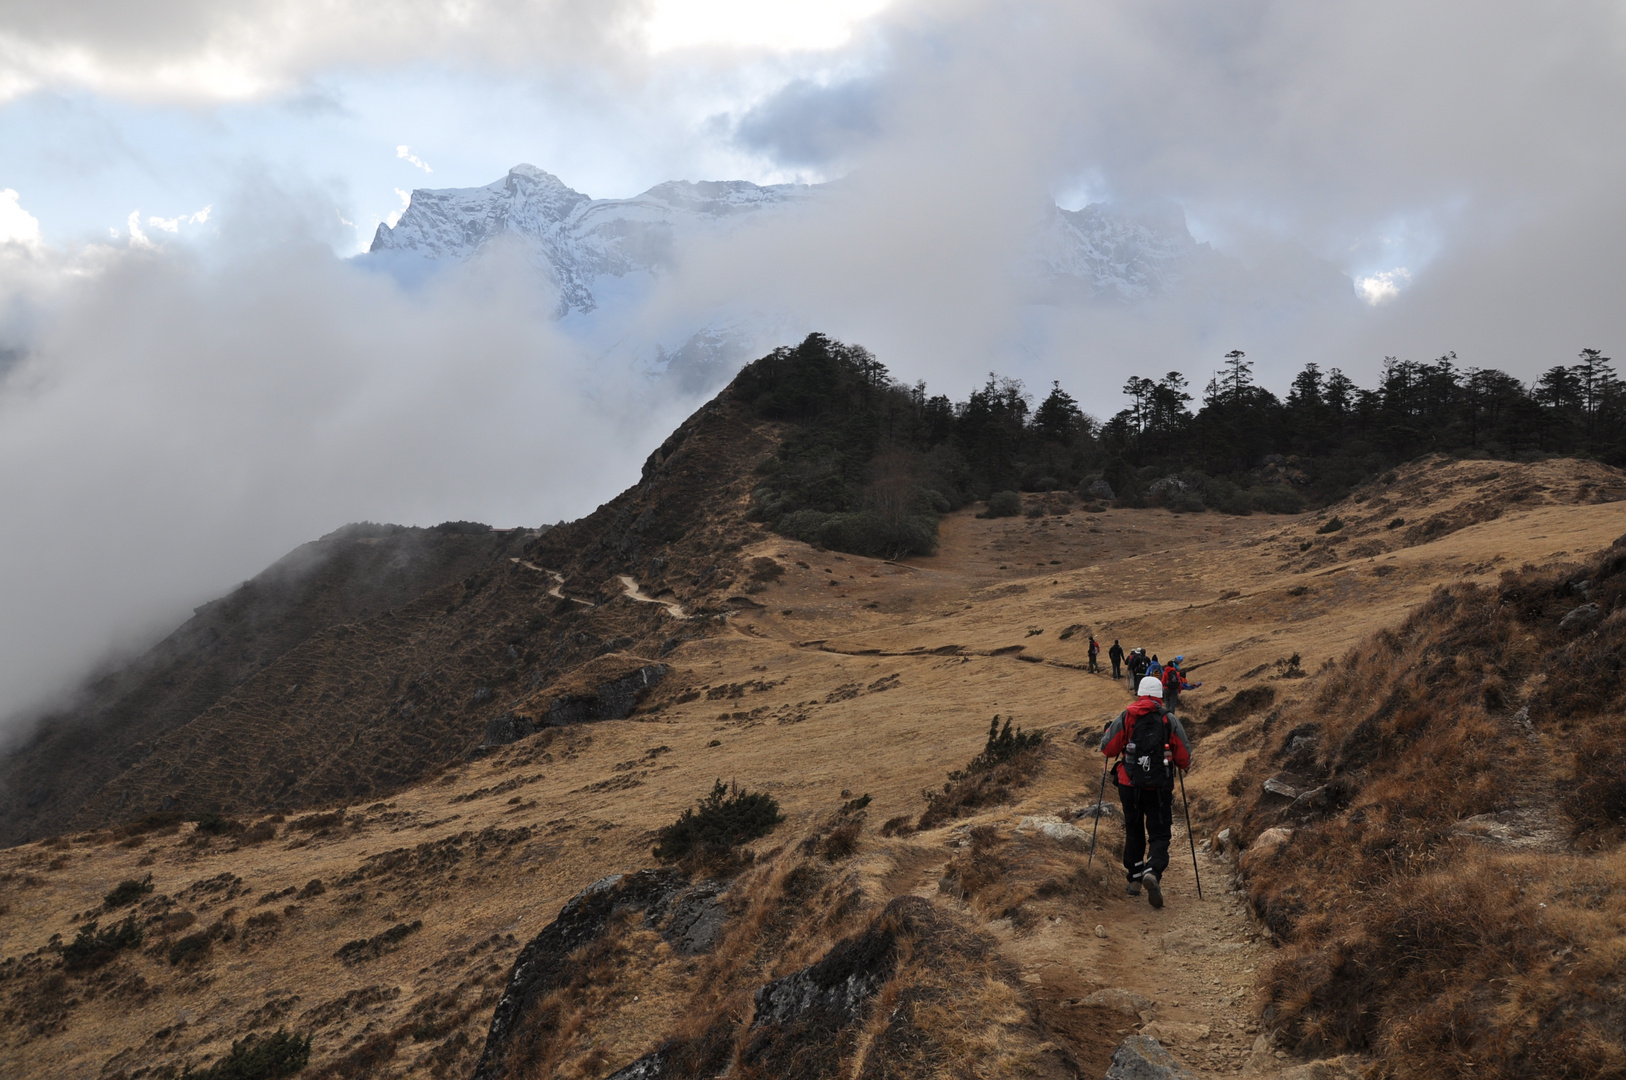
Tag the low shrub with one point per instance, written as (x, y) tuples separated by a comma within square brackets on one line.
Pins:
[(213, 824), (94, 947), (1396, 523), (1003, 504), (127, 892), (190, 949), (722, 820), (264, 1058), (260, 832), (1008, 760), (1331, 525), (313, 822)]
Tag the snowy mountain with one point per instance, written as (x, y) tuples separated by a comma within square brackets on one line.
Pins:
[(606, 259), (576, 240)]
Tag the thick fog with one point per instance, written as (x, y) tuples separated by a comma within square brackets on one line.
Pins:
[(1385, 179), (182, 418)]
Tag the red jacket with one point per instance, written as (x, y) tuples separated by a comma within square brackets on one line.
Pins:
[(1112, 743)]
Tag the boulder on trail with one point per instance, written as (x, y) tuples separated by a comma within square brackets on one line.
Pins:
[(1141, 1057), (1119, 1000), (1265, 845)]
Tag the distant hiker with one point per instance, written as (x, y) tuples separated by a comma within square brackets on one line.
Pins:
[(1174, 682), (1150, 745), (1116, 655), (1137, 667), (1095, 651)]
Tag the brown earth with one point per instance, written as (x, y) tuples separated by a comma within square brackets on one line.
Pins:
[(840, 676)]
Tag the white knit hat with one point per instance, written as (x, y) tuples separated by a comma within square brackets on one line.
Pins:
[(1151, 687)]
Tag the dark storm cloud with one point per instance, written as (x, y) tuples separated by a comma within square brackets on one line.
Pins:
[(807, 124)]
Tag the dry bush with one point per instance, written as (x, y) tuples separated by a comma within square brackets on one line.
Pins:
[(1007, 761), (999, 875), (316, 822), (1448, 957)]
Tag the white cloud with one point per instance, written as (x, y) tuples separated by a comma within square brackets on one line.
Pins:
[(138, 236), (405, 154), (17, 226), (1384, 286), (395, 215), (173, 225)]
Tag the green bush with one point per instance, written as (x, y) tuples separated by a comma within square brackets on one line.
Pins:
[(1002, 746), (94, 947), (264, 1058), (724, 819), (862, 532), (1332, 525), (1003, 504), (1396, 523), (127, 892)]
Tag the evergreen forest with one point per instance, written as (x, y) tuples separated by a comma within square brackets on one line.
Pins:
[(868, 463)]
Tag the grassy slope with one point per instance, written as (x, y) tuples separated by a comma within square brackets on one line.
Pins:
[(854, 675)]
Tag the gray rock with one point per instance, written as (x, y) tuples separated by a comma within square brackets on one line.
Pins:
[(648, 1067), (697, 918), (1119, 1000), (1099, 490), (1143, 1058), (1278, 787), (1222, 842), (507, 728), (1580, 618), (1314, 799), (613, 700)]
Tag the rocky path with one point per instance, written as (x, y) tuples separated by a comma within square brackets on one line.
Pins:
[(1184, 975)]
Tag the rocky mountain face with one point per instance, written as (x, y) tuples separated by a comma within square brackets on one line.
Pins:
[(577, 241)]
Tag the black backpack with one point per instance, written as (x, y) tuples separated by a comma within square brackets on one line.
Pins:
[(1143, 753)]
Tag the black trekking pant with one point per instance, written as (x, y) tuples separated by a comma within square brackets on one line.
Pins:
[(1093, 665), (1116, 672), (1148, 825)]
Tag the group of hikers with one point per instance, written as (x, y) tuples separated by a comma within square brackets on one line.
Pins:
[(1151, 750)]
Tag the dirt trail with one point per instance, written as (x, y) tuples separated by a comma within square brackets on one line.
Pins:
[(634, 592), (558, 588)]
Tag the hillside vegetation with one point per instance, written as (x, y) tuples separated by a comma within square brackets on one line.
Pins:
[(470, 834), (1454, 893)]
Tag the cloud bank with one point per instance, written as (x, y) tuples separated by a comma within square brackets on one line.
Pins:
[(173, 418), (181, 417)]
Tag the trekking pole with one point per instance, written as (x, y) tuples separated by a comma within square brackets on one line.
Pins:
[(1099, 802), (1189, 838)]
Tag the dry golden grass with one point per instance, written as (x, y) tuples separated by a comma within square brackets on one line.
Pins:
[(882, 683), (1407, 934)]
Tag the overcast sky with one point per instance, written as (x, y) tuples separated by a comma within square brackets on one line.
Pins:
[(192, 380)]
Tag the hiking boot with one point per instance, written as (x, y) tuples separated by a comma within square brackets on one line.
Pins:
[(1154, 890), (1132, 887)]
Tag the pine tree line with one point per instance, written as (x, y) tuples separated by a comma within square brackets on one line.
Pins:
[(867, 462)]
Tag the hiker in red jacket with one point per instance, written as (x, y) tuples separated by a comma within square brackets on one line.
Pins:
[(1150, 744), (1174, 682), (1095, 651)]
